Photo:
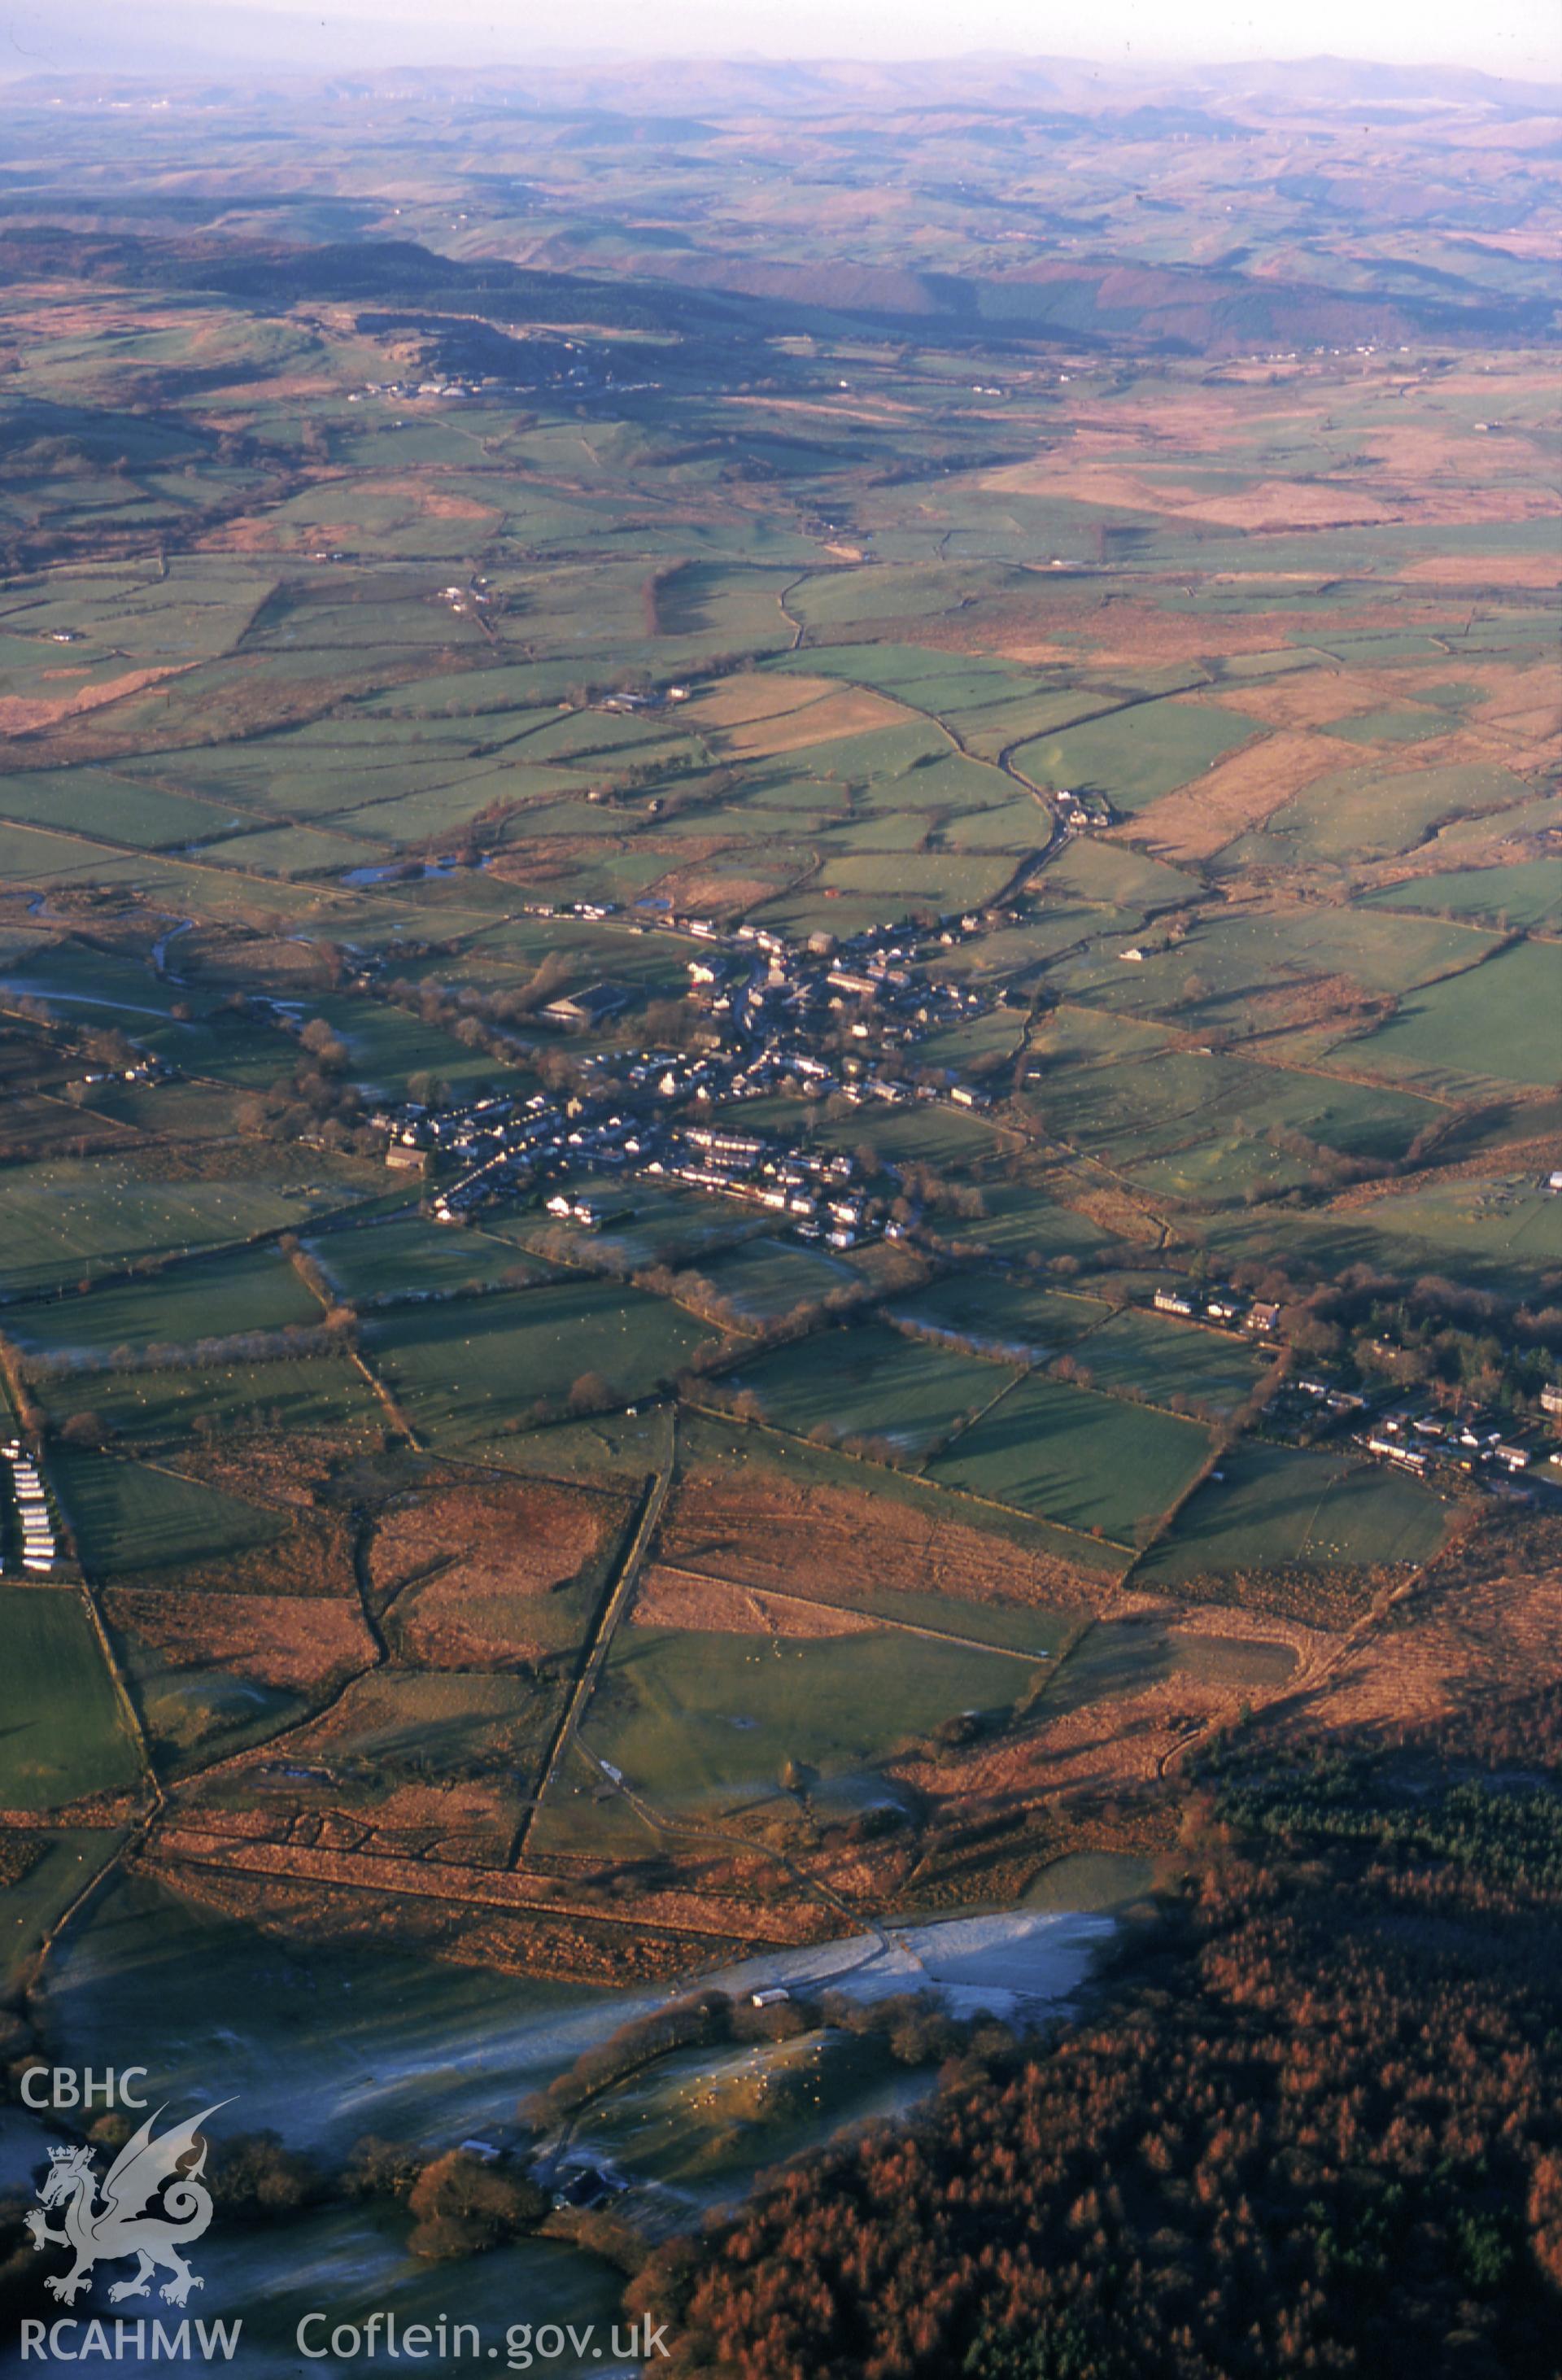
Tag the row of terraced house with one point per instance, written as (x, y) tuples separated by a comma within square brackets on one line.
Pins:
[(39, 1547)]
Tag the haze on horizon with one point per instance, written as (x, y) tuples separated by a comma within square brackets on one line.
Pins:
[(1520, 39)]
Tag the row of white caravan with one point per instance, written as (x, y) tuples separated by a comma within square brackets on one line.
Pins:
[(38, 1546)]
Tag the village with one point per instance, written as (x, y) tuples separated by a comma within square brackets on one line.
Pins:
[(842, 1021), (827, 1021)]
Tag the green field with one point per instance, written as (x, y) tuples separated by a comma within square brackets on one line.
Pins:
[(895, 884), (873, 1382), (959, 1047), (1089, 1462), (254, 1289), (63, 1859), (645, 1223), (1277, 1507), (1116, 1658), (312, 1392), (1001, 1316), (765, 1277), (194, 1711), (1365, 814), (1406, 724), (1106, 872), (1529, 894), (1507, 1218), (385, 1045), (1496, 1022), (33, 855), (1019, 1222), (944, 1137), (410, 1256), (128, 1516), (62, 1730), (1201, 1125), (462, 1371), (703, 1723), (1500, 1231), (1166, 1361), (1137, 754), (71, 1219), (1232, 958), (96, 803)]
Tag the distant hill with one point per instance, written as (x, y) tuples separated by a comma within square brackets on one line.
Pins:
[(1098, 301), (713, 300), (716, 300), (100, 40)]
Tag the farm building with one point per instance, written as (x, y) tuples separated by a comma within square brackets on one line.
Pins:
[(580, 1010)]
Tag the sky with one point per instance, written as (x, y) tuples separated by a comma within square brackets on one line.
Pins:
[(1518, 37)]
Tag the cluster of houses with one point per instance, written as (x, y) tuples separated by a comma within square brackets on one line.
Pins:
[(576, 1144), (766, 1000), (408, 392), (1419, 1439), (503, 1145), (38, 1543), (778, 1012), (1224, 1307), (1409, 1432), (543, 360), (1085, 813), (509, 1144), (145, 1069), (776, 1017), (459, 598), (810, 1192), (470, 1128)]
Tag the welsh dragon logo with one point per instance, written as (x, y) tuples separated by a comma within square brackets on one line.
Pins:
[(149, 2208)]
